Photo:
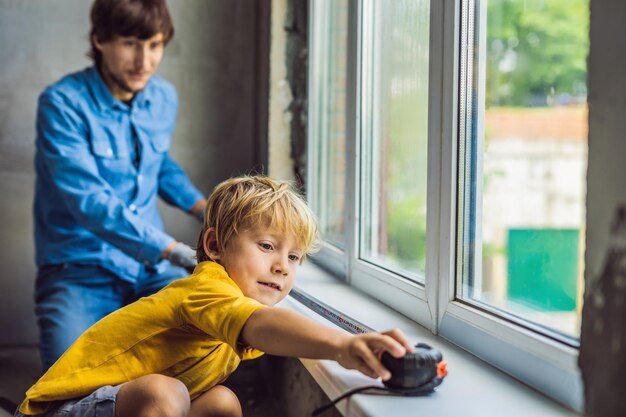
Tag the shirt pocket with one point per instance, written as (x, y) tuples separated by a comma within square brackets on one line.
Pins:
[(159, 145), (105, 147), (112, 159), (161, 142), (102, 149)]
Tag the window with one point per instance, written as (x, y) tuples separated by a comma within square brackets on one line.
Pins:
[(395, 138), (523, 156), (389, 94), (329, 82), (447, 149)]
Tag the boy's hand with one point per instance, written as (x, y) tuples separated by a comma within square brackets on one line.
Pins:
[(362, 352)]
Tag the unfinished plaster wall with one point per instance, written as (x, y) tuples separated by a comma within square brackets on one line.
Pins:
[(288, 90), (603, 341), (280, 97), (297, 59)]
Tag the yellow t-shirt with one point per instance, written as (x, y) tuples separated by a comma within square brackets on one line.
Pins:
[(189, 330)]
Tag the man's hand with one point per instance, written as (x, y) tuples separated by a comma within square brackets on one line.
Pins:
[(198, 210), (362, 352), (181, 255)]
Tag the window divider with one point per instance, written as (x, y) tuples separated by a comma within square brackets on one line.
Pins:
[(353, 133)]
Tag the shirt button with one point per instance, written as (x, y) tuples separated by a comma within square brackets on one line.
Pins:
[(133, 208), (110, 152), (139, 178)]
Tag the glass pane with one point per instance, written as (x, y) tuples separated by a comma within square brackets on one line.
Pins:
[(395, 152), (330, 79), (529, 141)]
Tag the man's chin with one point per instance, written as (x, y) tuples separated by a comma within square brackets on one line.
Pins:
[(135, 86)]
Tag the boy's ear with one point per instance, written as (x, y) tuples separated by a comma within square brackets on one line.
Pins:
[(209, 244)]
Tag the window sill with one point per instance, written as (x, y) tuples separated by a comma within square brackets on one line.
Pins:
[(472, 388)]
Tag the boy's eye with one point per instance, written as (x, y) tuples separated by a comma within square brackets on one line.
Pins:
[(294, 258), (155, 45), (266, 246)]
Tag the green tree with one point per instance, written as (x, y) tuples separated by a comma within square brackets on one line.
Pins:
[(536, 51)]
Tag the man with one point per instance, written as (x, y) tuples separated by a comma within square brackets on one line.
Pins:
[(103, 136)]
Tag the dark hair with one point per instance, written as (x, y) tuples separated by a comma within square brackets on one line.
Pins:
[(140, 18)]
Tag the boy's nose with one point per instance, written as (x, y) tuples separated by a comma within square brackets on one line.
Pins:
[(281, 266)]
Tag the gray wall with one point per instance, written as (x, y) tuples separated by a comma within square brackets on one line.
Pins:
[(214, 62), (603, 337)]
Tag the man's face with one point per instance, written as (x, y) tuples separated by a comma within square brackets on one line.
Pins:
[(129, 62), (262, 263)]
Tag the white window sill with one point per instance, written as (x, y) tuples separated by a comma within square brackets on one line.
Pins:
[(472, 387)]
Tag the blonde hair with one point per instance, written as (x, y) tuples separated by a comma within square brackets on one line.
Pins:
[(252, 201)]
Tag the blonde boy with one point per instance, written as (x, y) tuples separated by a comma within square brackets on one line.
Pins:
[(166, 355)]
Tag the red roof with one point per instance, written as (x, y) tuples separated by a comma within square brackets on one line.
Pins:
[(560, 123)]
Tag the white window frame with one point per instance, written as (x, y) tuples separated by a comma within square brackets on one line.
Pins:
[(534, 358)]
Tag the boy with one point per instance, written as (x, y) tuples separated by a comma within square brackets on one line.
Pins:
[(166, 354)]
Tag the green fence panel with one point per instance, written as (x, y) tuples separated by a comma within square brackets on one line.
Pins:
[(543, 268)]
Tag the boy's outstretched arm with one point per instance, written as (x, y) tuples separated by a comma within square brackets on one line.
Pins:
[(285, 333)]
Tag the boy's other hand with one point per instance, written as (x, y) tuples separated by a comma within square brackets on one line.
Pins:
[(362, 352)]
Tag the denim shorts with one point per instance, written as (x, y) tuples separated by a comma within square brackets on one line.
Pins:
[(100, 403)]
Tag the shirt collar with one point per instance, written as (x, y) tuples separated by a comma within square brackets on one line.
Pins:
[(144, 97), (105, 99)]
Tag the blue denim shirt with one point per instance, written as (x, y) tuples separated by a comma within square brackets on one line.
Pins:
[(92, 205)]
